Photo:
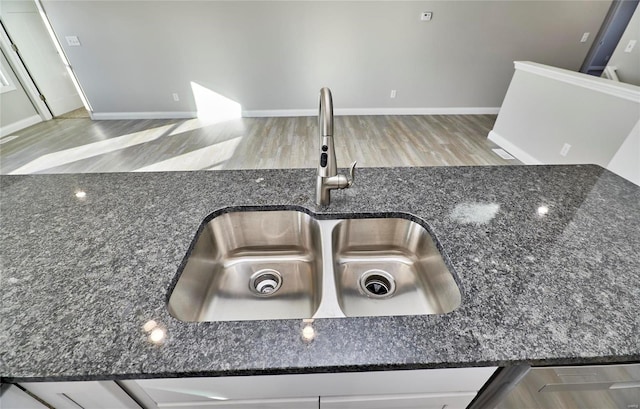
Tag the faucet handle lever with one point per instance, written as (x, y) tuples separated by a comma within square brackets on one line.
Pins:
[(352, 174)]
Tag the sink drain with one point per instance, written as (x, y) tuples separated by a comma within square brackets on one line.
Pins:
[(377, 284), (265, 282)]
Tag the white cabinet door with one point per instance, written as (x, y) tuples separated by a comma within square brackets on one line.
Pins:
[(82, 395), (306, 403), (193, 393), (452, 380), (184, 401), (12, 397), (413, 401), (453, 386)]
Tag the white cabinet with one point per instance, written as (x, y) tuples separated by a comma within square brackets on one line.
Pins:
[(585, 387), (12, 397), (458, 400), (437, 388), (418, 389), (82, 395)]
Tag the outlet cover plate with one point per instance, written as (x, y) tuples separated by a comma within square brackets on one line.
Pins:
[(73, 41), (630, 45), (426, 15)]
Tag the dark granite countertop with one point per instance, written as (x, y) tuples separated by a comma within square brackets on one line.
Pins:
[(81, 276)]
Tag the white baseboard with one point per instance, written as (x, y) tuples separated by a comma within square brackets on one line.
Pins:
[(279, 112), (304, 112), (521, 155), (142, 115), (374, 111), (17, 126)]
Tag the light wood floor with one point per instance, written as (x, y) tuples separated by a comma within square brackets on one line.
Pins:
[(80, 145)]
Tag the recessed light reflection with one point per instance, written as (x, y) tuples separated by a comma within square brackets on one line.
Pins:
[(308, 333), (543, 210), (149, 326), (81, 194), (157, 335), (155, 332)]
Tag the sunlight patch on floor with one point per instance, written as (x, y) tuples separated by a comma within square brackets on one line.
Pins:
[(209, 157), (66, 156), (199, 123)]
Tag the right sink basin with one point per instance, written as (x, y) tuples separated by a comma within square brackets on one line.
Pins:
[(390, 266)]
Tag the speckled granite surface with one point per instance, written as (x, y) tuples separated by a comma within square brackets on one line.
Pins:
[(81, 276)]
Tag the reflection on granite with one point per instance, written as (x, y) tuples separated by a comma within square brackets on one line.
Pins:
[(549, 266)]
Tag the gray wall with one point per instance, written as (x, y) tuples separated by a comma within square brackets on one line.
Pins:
[(628, 64), (275, 55), (15, 105)]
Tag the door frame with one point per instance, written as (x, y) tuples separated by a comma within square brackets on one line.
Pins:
[(21, 72), (616, 15), (63, 56)]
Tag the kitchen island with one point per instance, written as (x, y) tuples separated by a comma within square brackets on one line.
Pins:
[(547, 259)]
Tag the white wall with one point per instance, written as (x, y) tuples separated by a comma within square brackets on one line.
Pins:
[(628, 64), (16, 110), (275, 55), (546, 107)]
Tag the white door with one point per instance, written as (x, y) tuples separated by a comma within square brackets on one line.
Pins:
[(28, 32)]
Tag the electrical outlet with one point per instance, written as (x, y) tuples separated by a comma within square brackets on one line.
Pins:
[(426, 15), (584, 38), (72, 41), (393, 94), (176, 97), (630, 45), (565, 149)]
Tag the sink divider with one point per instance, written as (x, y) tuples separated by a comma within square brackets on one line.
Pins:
[(329, 306)]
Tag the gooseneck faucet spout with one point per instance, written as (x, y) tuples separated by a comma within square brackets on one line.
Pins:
[(328, 177)]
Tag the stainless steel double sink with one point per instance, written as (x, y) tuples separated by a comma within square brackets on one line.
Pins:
[(287, 264)]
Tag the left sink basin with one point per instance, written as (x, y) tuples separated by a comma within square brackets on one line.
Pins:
[(251, 265)]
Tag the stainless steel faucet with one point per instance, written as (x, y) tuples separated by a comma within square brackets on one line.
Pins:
[(328, 177)]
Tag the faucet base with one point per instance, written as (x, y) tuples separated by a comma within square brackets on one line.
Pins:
[(324, 185)]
